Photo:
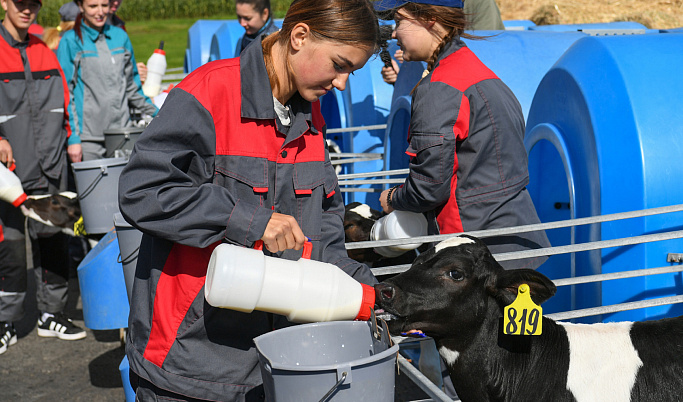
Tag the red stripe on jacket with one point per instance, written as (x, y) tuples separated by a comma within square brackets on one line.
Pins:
[(470, 72), (181, 280)]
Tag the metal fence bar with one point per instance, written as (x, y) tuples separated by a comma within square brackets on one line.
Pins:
[(337, 155), (352, 160), (574, 248), (373, 174), (358, 128), (360, 190), (421, 381), (615, 308), (393, 269), (617, 275), (521, 229), (372, 181)]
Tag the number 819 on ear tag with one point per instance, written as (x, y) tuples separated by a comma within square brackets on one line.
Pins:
[(523, 316)]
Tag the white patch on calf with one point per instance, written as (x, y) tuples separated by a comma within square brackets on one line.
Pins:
[(452, 242), (362, 210), (603, 363), (450, 356)]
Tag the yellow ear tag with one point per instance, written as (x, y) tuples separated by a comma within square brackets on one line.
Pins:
[(79, 227), (523, 316)]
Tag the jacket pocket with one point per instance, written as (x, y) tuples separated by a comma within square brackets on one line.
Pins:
[(312, 187), (421, 142), (245, 177)]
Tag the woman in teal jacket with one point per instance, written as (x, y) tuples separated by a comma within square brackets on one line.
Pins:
[(103, 80)]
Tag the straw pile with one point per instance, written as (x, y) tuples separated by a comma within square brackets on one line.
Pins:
[(658, 14)]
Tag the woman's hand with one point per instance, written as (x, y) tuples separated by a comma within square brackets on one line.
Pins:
[(75, 152), (389, 74), (283, 233), (6, 156), (383, 200)]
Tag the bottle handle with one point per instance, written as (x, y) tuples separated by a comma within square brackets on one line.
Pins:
[(306, 253)]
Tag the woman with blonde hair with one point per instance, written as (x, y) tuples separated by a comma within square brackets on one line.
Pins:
[(237, 154), (68, 13)]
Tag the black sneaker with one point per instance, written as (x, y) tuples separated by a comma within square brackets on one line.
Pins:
[(61, 327), (8, 336)]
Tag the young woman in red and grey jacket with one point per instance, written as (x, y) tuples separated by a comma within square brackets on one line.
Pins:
[(468, 164), (34, 127), (237, 154)]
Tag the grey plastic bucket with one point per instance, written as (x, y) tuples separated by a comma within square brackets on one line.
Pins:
[(97, 185), (129, 245), (328, 361), (119, 141)]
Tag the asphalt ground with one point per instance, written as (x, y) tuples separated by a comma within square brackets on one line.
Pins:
[(50, 369)]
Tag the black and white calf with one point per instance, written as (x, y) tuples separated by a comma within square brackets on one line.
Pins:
[(57, 210), (456, 293)]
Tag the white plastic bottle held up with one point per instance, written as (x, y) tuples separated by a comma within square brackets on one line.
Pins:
[(11, 189), (244, 279), (398, 225), (156, 68)]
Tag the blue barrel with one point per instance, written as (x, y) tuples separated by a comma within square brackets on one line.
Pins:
[(199, 43), (604, 136), (102, 285), (124, 371)]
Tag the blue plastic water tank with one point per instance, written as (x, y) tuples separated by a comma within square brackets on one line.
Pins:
[(199, 43), (604, 136)]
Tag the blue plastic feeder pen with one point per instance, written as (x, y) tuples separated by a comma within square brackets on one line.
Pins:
[(199, 43), (226, 41), (604, 136)]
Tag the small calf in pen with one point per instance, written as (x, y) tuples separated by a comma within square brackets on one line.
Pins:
[(456, 293)]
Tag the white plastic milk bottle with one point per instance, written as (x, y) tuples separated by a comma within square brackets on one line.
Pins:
[(398, 225), (156, 68), (244, 279), (10, 187)]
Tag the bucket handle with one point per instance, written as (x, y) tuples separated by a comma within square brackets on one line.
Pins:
[(128, 259), (91, 187), (339, 383), (126, 138)]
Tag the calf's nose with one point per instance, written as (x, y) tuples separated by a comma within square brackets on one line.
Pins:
[(384, 293)]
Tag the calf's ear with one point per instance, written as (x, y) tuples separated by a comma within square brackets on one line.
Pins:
[(507, 283)]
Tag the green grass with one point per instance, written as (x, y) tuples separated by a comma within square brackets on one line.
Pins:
[(145, 36)]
